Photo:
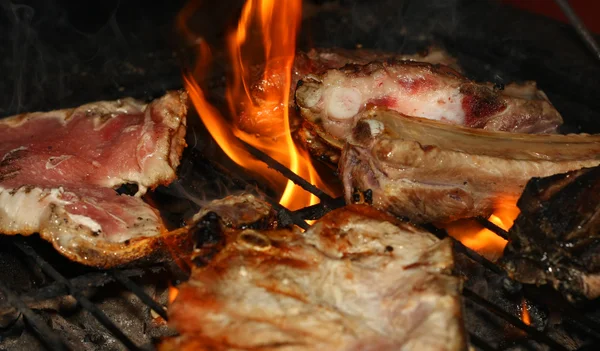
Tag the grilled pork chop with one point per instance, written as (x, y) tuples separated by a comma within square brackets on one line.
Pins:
[(332, 101), (430, 171), (58, 170), (356, 280), (555, 238), (317, 61)]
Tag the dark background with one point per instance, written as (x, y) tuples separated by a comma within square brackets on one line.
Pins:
[(59, 53)]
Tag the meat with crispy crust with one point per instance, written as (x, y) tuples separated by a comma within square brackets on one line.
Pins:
[(358, 279)]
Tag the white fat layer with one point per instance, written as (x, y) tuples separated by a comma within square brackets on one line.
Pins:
[(141, 190), (86, 222), (26, 207), (27, 210), (55, 161), (439, 104), (6, 155)]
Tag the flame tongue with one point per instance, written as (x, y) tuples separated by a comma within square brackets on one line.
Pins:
[(268, 114), (482, 240), (265, 36)]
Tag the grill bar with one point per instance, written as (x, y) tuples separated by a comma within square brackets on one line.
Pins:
[(472, 296), (85, 281), (317, 211), (82, 300), (140, 293), (45, 333), (460, 247), (492, 227), (286, 172), (287, 215)]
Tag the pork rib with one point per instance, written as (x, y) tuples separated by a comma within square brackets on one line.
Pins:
[(316, 61), (430, 171), (356, 280), (333, 100), (58, 170)]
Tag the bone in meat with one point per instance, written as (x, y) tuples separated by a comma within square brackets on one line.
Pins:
[(430, 171), (333, 100)]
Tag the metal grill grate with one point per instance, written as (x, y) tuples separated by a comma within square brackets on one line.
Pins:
[(74, 287)]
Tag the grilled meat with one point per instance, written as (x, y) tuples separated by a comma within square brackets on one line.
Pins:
[(556, 238), (58, 170), (313, 62), (430, 171), (236, 211), (356, 280), (331, 101)]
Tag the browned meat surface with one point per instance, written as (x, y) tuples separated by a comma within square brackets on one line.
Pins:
[(58, 170), (356, 280), (430, 171), (236, 210), (332, 101), (556, 238)]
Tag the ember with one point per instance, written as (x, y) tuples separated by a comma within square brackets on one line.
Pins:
[(525, 317), (265, 34), (173, 292)]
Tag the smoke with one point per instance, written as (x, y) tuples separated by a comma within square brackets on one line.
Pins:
[(25, 58), (58, 53)]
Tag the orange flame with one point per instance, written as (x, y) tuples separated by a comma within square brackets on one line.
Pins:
[(266, 34), (173, 292), (484, 241), (525, 317)]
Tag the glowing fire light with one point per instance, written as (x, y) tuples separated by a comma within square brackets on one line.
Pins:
[(482, 240), (173, 292), (266, 35), (525, 317)]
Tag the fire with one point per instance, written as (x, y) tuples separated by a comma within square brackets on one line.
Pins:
[(525, 317), (482, 240), (173, 292), (265, 35)]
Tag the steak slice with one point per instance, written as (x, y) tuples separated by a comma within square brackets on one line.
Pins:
[(430, 171), (332, 101), (58, 170), (356, 280), (556, 238)]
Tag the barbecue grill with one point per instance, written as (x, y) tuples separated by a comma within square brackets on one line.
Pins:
[(45, 300)]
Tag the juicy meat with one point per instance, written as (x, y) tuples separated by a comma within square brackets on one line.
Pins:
[(58, 170), (313, 62), (333, 100), (436, 172), (555, 239), (356, 280)]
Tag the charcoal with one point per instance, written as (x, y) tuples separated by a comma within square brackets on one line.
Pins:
[(556, 238)]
